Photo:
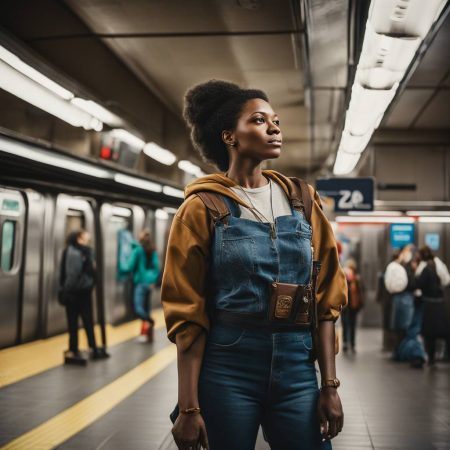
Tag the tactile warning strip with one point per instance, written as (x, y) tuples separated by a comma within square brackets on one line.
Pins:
[(71, 421), (23, 361)]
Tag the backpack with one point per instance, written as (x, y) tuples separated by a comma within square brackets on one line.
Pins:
[(300, 200)]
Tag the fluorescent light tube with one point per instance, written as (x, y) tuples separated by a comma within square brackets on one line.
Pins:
[(345, 162), (52, 159), (173, 192), (354, 144), (188, 167), (435, 219), (97, 111), (28, 90), (159, 154), (404, 17), (16, 63), (384, 59), (428, 213), (373, 219), (366, 108), (376, 213), (137, 182), (127, 137)]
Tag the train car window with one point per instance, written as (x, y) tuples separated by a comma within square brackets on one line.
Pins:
[(7, 245), (75, 221)]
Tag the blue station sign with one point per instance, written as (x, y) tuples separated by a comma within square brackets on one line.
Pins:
[(401, 234), (349, 194)]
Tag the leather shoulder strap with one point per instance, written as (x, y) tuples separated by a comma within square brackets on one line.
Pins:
[(215, 204), (302, 197)]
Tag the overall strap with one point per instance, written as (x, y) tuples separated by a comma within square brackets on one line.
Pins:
[(301, 197), (215, 204)]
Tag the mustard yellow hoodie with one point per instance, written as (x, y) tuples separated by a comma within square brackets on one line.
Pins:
[(184, 281)]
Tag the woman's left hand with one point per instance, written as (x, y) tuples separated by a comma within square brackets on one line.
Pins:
[(330, 412)]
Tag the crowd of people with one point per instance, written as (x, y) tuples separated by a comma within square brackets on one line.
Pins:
[(416, 280), (77, 280)]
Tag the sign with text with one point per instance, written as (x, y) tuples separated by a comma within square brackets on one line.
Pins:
[(349, 194), (401, 234)]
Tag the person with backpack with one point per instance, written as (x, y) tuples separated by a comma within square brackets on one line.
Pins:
[(355, 303), (431, 278), (143, 264), (251, 289), (77, 280)]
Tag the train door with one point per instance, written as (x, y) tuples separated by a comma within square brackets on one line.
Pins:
[(31, 297), (12, 225), (70, 214), (117, 223)]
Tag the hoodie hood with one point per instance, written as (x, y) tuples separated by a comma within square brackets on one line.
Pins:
[(221, 184)]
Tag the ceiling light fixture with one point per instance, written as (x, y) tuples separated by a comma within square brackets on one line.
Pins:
[(128, 138), (16, 63), (137, 182), (173, 192), (30, 91), (190, 168), (159, 154), (394, 32), (97, 111), (373, 219), (52, 159)]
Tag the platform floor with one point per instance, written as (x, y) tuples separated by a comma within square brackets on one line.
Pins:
[(124, 402)]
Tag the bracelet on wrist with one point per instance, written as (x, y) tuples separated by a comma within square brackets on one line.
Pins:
[(333, 383), (190, 411)]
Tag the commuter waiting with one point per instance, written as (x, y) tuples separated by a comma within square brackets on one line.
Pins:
[(239, 288), (355, 303), (144, 265), (406, 312), (77, 280), (432, 276)]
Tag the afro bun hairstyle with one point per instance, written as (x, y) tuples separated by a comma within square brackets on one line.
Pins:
[(209, 109)]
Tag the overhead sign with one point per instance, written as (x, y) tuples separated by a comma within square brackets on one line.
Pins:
[(432, 240), (401, 234), (349, 194)]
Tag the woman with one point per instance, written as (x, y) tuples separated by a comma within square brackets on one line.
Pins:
[(355, 303), (77, 279), (144, 264), (434, 323), (236, 370)]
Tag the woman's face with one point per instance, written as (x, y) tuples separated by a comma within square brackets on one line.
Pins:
[(84, 238), (257, 134)]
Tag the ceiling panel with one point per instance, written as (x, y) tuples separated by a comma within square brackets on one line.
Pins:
[(437, 113), (407, 107), (175, 16), (435, 64)]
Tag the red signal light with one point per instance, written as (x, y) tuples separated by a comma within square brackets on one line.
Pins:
[(105, 153)]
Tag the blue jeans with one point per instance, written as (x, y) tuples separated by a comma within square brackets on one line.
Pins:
[(411, 347), (250, 378), (402, 311), (142, 301)]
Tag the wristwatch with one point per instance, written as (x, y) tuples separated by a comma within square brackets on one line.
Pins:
[(334, 383)]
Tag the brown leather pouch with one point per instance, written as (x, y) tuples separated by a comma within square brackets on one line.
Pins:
[(289, 303)]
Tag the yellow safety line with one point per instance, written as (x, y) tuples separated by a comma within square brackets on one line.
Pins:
[(72, 420), (26, 360)]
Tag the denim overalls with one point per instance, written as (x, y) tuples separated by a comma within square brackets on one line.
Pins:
[(253, 377)]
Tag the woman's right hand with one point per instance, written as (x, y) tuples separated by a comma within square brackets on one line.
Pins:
[(189, 432)]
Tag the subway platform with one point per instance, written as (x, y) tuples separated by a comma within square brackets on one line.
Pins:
[(124, 402)]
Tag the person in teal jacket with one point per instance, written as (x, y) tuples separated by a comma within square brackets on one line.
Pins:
[(144, 265)]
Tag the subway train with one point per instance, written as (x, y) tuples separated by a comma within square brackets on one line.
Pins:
[(35, 218)]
